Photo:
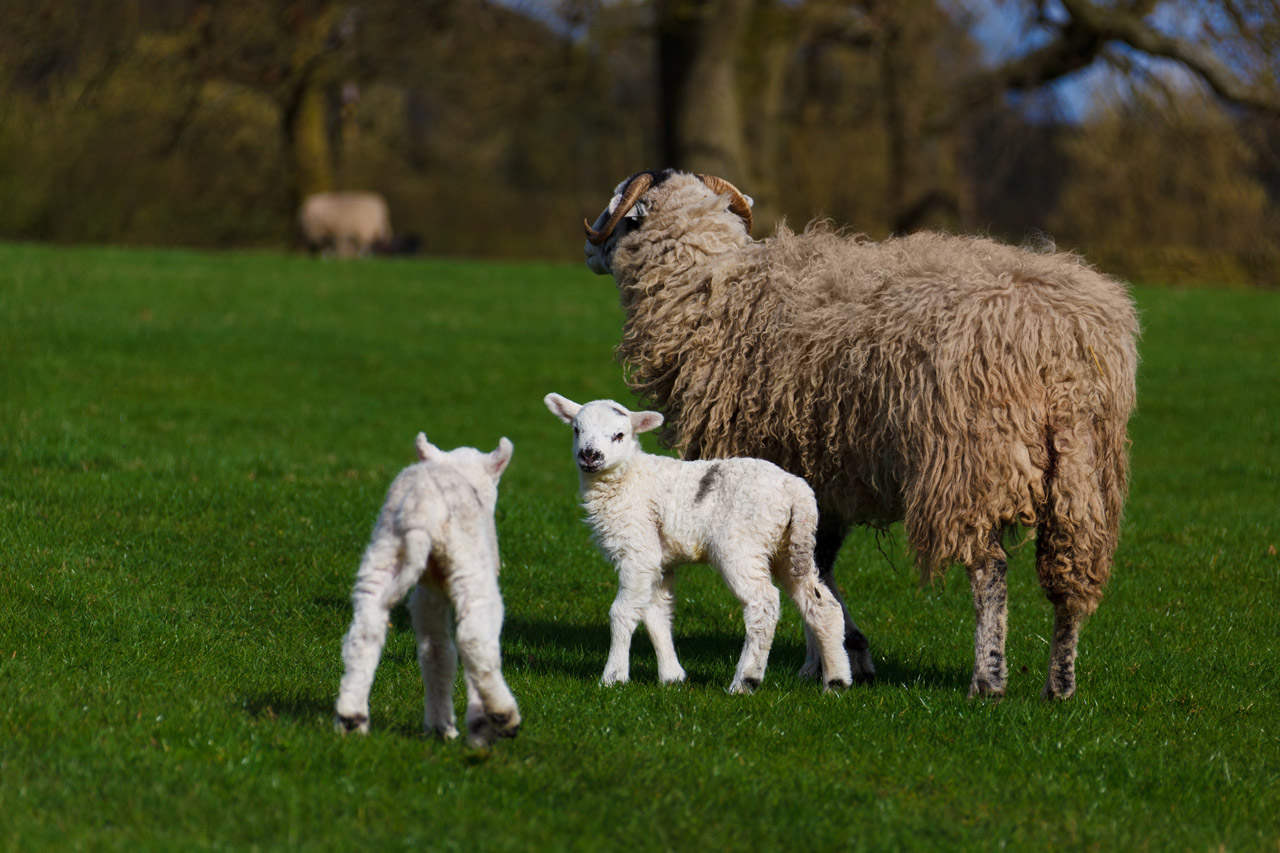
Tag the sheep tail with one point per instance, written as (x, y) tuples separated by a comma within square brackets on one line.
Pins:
[(1085, 487)]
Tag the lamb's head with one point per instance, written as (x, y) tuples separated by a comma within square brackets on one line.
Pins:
[(481, 470), (604, 432), (667, 200)]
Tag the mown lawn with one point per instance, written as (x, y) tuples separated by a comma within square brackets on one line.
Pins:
[(193, 450)]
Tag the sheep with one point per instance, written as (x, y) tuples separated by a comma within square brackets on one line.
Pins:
[(348, 224), (436, 536), (960, 385), (650, 514)]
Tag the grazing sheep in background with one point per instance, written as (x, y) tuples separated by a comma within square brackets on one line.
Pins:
[(435, 535), (956, 383), (746, 517), (348, 224)]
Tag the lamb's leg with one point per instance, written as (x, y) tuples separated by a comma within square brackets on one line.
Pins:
[(823, 623), (830, 536), (749, 581), (437, 659), (636, 585), (657, 621), (491, 709), (990, 603), (371, 600)]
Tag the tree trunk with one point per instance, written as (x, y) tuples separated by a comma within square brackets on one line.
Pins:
[(698, 48)]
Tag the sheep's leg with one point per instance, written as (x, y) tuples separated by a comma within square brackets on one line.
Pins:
[(437, 659), (823, 624), (636, 587), (990, 603), (760, 610), (830, 537), (1061, 683), (657, 621), (491, 709), (371, 600)]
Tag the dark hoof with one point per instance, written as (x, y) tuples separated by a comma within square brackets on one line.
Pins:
[(350, 724), (837, 684), (751, 683), (855, 641)]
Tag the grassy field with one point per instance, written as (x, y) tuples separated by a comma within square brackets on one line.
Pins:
[(195, 446)]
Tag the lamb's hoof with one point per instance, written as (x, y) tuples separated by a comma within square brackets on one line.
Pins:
[(480, 733), (505, 724), (611, 677), (836, 684), (746, 685), (443, 733), (812, 669), (677, 678), (358, 723)]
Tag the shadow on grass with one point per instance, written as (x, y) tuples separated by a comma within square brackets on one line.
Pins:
[(578, 651)]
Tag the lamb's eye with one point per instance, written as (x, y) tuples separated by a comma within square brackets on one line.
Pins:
[(617, 437), (575, 432)]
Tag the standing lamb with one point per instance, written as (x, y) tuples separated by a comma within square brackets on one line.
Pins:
[(956, 383), (349, 224), (650, 514), (435, 535)]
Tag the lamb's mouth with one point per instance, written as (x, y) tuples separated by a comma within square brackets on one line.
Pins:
[(589, 468)]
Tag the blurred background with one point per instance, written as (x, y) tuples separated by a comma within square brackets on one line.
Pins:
[(1145, 133)]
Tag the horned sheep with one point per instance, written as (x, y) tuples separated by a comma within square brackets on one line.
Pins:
[(959, 384), (651, 514), (348, 224), (436, 537)]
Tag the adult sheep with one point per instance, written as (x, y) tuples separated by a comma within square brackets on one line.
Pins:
[(348, 224), (955, 383)]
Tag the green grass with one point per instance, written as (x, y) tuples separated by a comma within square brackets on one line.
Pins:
[(195, 446)]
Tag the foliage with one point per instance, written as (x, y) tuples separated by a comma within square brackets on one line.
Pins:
[(196, 445)]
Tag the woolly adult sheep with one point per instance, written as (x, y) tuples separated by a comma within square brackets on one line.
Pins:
[(651, 514), (435, 535), (348, 224), (955, 383)]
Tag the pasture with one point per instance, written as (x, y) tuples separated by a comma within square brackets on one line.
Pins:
[(195, 446)]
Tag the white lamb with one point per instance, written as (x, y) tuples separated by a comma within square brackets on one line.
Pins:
[(746, 517), (436, 536)]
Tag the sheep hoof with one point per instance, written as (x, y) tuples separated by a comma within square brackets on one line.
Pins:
[(745, 686), (985, 690), (836, 684), (442, 733), (358, 723), (676, 678), (812, 669)]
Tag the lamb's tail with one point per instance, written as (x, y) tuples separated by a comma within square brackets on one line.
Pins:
[(802, 533)]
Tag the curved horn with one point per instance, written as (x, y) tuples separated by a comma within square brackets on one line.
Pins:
[(630, 195), (737, 201)]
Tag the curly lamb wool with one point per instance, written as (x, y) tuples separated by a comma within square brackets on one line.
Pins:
[(955, 383)]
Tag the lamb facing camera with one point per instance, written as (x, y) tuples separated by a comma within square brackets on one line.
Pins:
[(746, 517)]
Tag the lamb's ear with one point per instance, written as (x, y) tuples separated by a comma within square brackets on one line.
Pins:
[(562, 407), (426, 450), (499, 458), (645, 421)]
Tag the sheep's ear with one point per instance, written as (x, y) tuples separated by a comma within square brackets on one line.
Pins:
[(645, 421), (426, 450), (499, 458), (562, 407)]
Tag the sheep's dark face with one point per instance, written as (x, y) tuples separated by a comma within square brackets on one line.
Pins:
[(599, 257)]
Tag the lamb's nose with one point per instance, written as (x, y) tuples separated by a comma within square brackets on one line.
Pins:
[(590, 456)]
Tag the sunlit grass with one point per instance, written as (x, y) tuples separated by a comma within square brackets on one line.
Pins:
[(194, 448)]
